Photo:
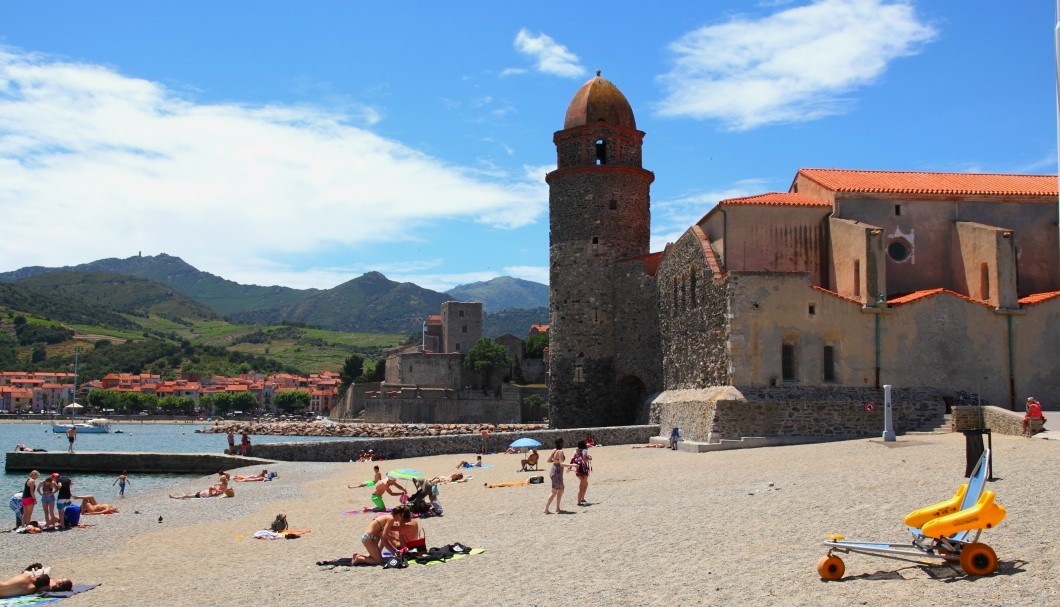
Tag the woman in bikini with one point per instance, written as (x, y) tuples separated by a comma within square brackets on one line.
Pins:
[(28, 500), (47, 489), (556, 458), (390, 531)]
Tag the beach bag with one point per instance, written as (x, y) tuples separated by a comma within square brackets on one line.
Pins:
[(398, 561), (581, 464), (280, 524), (71, 515), (536, 480)]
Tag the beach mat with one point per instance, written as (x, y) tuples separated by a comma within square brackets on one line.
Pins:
[(450, 556), (45, 598)]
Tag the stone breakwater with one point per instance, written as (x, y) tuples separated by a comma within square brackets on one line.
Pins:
[(365, 430)]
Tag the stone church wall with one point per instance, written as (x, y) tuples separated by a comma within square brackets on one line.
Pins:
[(637, 339)]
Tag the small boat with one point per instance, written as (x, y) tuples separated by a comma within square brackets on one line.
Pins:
[(92, 426)]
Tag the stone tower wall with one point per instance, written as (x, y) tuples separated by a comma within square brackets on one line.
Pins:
[(461, 325), (599, 212)]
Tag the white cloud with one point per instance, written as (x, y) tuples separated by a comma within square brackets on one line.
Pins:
[(534, 273), (550, 56), (95, 164), (792, 66)]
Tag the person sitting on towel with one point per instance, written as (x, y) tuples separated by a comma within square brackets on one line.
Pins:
[(477, 464)]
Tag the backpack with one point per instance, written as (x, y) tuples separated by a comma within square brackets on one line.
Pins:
[(581, 464), (536, 480), (280, 524)]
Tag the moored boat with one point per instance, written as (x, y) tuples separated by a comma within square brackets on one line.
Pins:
[(92, 426)]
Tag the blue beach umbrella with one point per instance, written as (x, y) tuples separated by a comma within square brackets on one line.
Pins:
[(525, 443), (405, 474)]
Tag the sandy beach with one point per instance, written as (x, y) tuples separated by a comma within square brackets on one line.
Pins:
[(664, 528)]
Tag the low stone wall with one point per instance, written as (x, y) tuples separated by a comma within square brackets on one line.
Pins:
[(439, 406), (1001, 421), (140, 463), (713, 414), (395, 448)]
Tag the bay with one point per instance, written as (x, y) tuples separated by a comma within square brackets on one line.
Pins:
[(134, 437)]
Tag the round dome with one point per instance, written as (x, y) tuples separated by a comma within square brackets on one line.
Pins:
[(598, 100)]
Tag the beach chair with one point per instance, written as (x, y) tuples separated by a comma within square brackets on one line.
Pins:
[(530, 463), (947, 531)]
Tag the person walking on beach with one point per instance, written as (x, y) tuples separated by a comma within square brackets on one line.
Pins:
[(71, 435), (582, 468), (121, 481), (29, 490), (556, 458)]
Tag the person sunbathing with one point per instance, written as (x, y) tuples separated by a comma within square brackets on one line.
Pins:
[(452, 478), (90, 506), (465, 464), (211, 492), (261, 476), (33, 580)]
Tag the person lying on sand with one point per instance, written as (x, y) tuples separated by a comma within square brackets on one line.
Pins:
[(452, 478), (261, 476), (477, 464), (388, 531), (376, 478), (648, 446), (211, 492), (35, 579), (90, 506)]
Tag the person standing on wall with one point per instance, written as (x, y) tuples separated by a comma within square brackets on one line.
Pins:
[(71, 435), (231, 441)]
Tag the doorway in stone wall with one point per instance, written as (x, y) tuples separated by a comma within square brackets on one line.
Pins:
[(629, 397)]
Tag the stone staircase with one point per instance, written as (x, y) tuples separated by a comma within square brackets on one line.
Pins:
[(943, 426)]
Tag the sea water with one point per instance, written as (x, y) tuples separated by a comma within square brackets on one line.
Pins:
[(133, 437)]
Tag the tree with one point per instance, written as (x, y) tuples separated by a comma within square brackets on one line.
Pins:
[(291, 401), (535, 345), (176, 405), (39, 354), (244, 401), (351, 370), (486, 356)]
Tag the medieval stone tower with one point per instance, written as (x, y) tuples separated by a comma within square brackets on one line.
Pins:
[(598, 214)]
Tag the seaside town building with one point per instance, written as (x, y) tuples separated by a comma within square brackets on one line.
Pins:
[(786, 312), (50, 392)]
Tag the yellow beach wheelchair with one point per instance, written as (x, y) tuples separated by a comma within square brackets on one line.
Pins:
[(947, 531)]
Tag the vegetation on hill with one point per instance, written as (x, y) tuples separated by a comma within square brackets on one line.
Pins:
[(514, 321), (120, 293), (19, 299), (503, 293)]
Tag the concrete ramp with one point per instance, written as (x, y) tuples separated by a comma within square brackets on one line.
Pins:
[(140, 463)]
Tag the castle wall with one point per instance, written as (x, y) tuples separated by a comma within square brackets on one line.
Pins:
[(461, 326), (433, 406), (427, 369), (637, 339), (693, 318)]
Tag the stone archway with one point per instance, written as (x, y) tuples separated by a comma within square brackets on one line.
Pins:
[(629, 398)]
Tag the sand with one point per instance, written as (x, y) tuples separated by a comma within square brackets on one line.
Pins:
[(664, 528)]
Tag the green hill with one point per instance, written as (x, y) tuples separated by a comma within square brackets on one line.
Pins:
[(18, 299), (503, 293), (513, 320), (221, 295), (127, 294)]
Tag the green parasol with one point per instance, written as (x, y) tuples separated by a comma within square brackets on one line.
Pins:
[(405, 474)]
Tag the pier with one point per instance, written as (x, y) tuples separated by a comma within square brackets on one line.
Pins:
[(140, 463)]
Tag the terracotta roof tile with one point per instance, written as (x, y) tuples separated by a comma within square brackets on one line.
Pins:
[(777, 199), (929, 293), (1037, 298), (910, 182)]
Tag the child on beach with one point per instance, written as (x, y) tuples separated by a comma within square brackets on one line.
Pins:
[(376, 478), (385, 487), (121, 481)]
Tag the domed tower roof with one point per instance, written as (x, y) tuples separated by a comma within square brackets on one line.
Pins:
[(598, 100)]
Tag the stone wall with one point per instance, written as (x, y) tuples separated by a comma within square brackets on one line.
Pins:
[(1001, 421), (139, 463), (638, 359), (396, 448), (713, 414), (413, 405), (693, 317)]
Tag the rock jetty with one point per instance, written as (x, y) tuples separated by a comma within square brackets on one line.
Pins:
[(365, 430)]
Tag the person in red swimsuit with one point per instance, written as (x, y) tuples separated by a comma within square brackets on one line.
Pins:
[(1034, 411)]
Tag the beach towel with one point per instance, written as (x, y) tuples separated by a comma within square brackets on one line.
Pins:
[(44, 598), (509, 484), (434, 556), (367, 510), (289, 534)]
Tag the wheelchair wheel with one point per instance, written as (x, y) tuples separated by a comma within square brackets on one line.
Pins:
[(978, 559), (830, 568)]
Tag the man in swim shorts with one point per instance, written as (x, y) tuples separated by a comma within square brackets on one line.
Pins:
[(386, 486)]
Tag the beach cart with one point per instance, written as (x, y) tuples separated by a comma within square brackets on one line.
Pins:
[(946, 532)]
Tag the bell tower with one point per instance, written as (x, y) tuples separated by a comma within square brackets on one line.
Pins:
[(599, 212)]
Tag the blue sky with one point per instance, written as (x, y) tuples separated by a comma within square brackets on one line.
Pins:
[(304, 144)]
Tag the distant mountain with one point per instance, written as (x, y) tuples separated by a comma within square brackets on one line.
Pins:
[(119, 293), (503, 293), (18, 299), (513, 320), (368, 303), (221, 295)]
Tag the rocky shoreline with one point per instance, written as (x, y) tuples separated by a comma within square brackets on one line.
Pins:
[(363, 430)]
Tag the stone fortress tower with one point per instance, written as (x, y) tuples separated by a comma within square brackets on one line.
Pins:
[(599, 213)]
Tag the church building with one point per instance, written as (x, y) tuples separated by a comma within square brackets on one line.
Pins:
[(786, 312)]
